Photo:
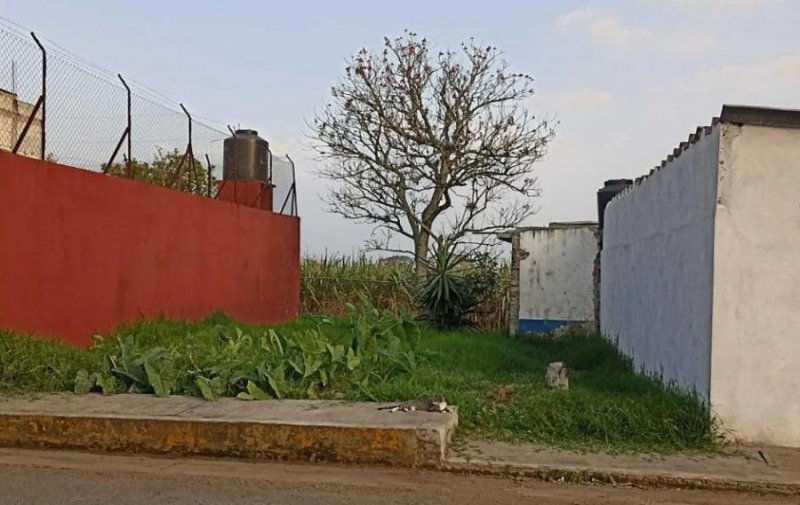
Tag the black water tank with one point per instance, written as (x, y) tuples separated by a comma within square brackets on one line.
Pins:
[(610, 189), (246, 157)]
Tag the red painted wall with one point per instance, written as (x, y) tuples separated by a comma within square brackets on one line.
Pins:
[(251, 193), (81, 253)]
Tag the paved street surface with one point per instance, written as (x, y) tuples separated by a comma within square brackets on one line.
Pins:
[(59, 478)]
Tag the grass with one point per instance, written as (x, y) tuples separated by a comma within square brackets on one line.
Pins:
[(498, 383), (329, 283), (496, 380), (34, 365)]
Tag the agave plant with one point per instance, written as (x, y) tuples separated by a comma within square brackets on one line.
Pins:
[(444, 295)]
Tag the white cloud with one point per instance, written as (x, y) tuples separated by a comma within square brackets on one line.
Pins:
[(575, 17), (607, 29), (782, 72), (675, 108), (772, 80), (610, 30), (601, 27), (604, 136)]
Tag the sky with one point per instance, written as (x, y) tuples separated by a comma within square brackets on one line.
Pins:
[(627, 80)]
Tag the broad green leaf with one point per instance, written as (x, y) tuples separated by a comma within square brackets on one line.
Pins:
[(83, 383), (107, 383), (129, 369), (353, 361), (253, 393), (161, 387), (295, 366), (311, 364), (275, 384), (311, 392), (108, 364), (276, 342), (336, 352), (256, 391), (206, 388), (411, 360)]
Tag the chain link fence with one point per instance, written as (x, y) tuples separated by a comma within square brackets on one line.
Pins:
[(56, 106)]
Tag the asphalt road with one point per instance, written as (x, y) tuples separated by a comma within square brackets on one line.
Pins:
[(60, 478)]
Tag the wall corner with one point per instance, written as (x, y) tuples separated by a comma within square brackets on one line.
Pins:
[(513, 288)]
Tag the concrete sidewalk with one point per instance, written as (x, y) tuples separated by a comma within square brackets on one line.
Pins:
[(742, 469), (353, 432), (348, 432)]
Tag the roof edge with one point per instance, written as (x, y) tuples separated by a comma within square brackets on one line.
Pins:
[(506, 235), (760, 116)]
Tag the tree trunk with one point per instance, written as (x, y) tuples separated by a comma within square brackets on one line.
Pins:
[(421, 242)]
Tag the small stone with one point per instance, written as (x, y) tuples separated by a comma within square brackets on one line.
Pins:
[(557, 375)]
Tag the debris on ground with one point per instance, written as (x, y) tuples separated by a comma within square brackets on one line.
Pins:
[(556, 375), (436, 403), (502, 395)]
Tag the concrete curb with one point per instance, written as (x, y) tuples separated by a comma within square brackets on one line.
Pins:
[(586, 475), (315, 431), (274, 430)]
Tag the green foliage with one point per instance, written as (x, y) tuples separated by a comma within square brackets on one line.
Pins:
[(253, 393), (221, 360), (497, 381), (499, 386), (163, 171), (445, 295), (83, 383), (30, 364), (482, 274), (330, 283), (210, 389)]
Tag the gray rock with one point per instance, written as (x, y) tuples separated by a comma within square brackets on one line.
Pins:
[(556, 375)]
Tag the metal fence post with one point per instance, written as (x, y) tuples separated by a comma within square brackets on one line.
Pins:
[(292, 192), (126, 133), (41, 103), (209, 179), (188, 154), (129, 161), (44, 96)]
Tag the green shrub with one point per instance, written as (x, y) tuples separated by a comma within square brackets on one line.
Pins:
[(223, 361), (445, 294), (498, 382)]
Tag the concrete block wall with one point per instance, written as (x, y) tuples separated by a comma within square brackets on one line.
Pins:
[(755, 359), (81, 253), (657, 268), (701, 272), (553, 276), (14, 114)]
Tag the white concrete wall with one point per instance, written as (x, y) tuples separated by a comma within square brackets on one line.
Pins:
[(13, 116), (755, 368), (556, 273), (657, 268)]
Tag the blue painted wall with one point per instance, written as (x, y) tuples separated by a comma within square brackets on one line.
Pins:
[(543, 325)]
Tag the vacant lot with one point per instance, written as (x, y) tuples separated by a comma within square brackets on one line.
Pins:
[(497, 381)]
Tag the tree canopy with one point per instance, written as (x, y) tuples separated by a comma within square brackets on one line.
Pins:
[(427, 144), (162, 171)]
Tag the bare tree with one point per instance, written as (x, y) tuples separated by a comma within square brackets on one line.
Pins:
[(430, 145)]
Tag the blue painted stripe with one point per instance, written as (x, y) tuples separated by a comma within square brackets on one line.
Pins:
[(542, 325)]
